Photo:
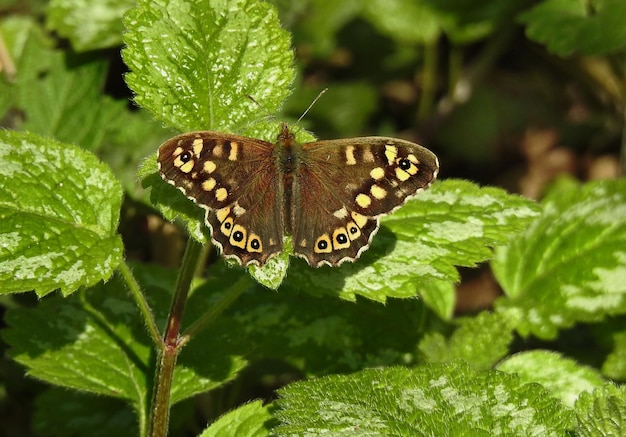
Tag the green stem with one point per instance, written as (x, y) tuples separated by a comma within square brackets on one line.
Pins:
[(171, 345), (244, 282), (140, 299)]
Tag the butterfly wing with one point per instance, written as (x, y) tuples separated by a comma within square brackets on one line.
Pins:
[(345, 186), (235, 180)]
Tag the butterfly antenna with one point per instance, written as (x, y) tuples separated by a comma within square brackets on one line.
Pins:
[(311, 105)]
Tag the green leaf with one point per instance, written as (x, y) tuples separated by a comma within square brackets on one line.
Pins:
[(570, 265), (59, 94), (194, 63), (408, 21), (249, 420), (565, 378), (316, 336), (594, 27), (602, 412), (95, 341), (61, 413), (453, 223), (88, 25), (422, 401), (59, 208), (480, 341)]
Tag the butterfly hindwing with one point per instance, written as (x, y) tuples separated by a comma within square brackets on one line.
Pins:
[(234, 179)]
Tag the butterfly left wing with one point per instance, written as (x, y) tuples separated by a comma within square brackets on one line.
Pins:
[(234, 179), (345, 186)]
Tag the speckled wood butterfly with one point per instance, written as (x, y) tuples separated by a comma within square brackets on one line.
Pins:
[(328, 195)]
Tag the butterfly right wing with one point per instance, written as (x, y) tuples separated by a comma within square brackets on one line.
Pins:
[(234, 179)]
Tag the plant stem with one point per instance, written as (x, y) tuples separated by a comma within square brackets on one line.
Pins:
[(171, 346), (140, 299)]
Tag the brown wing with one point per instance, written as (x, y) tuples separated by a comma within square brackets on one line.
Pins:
[(345, 186), (234, 179)]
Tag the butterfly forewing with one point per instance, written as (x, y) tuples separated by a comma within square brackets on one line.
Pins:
[(339, 205), (235, 180)]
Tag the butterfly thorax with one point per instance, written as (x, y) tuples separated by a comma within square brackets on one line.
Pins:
[(287, 152)]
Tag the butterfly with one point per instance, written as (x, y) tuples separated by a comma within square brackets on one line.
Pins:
[(328, 195)]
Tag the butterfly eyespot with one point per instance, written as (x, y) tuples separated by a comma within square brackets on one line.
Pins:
[(228, 225), (342, 239), (238, 236), (185, 157), (255, 244), (404, 164)]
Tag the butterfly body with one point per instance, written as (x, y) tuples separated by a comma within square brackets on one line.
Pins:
[(328, 195)]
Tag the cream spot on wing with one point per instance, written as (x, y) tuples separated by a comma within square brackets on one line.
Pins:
[(377, 173), (390, 153), (363, 200), (368, 156), (402, 175), (222, 214), (341, 213), (350, 155), (209, 166), (359, 219), (209, 184), (234, 151), (238, 210), (197, 146), (378, 192), (187, 166), (221, 194), (177, 151), (218, 150)]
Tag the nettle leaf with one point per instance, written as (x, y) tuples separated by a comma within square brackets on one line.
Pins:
[(94, 341), (59, 209), (194, 63), (570, 265), (602, 412), (480, 341), (88, 25), (453, 223), (427, 400), (249, 420), (565, 378), (594, 27)]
